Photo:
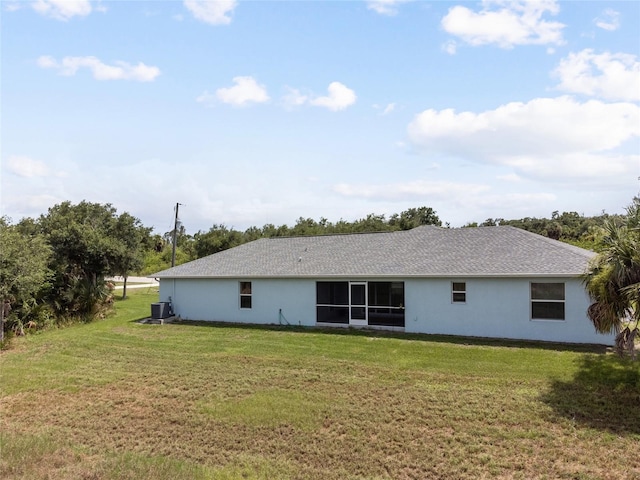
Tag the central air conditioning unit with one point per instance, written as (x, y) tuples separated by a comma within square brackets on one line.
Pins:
[(160, 310)]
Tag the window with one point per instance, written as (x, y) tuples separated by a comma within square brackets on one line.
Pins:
[(547, 301), (332, 300), (386, 304), (458, 292), (245, 294)]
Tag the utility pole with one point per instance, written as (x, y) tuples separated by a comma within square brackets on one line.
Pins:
[(175, 237)]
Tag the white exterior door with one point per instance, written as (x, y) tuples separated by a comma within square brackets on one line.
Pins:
[(358, 303)]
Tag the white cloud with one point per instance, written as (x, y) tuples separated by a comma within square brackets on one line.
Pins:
[(385, 7), (613, 76), (26, 167), (450, 47), (339, 97), (552, 138), (578, 166), (22, 204), (455, 202), (390, 107), (207, 98), (119, 71), (294, 98), (410, 190), (608, 20), (505, 23), (62, 9), (510, 177), (515, 201), (213, 12), (233, 199), (12, 6), (47, 61), (245, 91)]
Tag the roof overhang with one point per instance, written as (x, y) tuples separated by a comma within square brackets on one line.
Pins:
[(362, 276)]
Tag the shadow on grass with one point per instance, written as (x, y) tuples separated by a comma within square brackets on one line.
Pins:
[(371, 333), (604, 394)]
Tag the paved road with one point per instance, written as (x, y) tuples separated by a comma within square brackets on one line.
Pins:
[(136, 282)]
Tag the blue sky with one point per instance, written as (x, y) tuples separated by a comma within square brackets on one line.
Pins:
[(255, 112)]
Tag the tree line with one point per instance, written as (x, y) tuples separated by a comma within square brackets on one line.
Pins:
[(220, 237), (53, 269)]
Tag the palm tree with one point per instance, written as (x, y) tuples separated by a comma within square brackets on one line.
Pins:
[(613, 281)]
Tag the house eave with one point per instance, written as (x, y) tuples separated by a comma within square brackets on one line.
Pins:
[(366, 276)]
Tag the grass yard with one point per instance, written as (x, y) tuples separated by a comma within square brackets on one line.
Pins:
[(119, 400)]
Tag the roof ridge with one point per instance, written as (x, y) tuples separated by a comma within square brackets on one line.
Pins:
[(346, 234)]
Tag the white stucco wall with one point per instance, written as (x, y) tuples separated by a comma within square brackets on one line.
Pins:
[(497, 307), (219, 300), (494, 307)]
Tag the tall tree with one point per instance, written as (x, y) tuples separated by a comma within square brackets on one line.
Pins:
[(217, 239), (371, 223), (132, 241), (80, 236), (613, 281), (23, 268), (86, 240), (414, 217)]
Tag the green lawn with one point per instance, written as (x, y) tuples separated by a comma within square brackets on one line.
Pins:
[(116, 399)]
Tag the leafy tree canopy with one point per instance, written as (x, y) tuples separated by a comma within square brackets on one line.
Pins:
[(23, 268), (569, 227), (613, 281), (89, 242), (221, 237)]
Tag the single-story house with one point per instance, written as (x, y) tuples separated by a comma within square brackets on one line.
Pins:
[(500, 282)]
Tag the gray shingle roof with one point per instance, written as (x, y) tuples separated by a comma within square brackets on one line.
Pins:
[(426, 251)]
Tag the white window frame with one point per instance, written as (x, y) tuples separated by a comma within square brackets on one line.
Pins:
[(365, 306), (245, 295), (548, 300), (454, 292)]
